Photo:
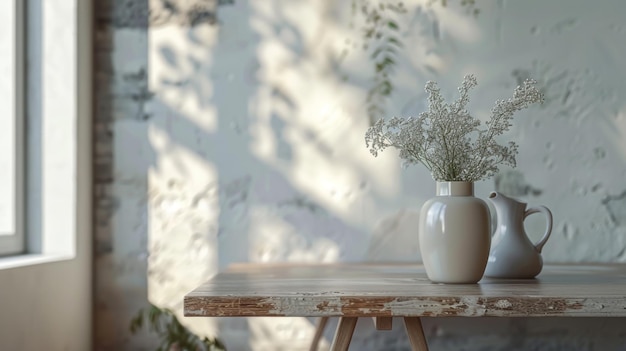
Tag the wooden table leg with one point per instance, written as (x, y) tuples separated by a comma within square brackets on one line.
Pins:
[(319, 331), (383, 323), (343, 335), (416, 333)]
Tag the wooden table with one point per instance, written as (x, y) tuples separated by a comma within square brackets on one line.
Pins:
[(383, 291)]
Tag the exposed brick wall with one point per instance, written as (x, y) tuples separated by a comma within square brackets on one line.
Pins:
[(104, 202), (103, 133)]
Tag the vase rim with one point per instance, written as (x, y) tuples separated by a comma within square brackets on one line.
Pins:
[(455, 188)]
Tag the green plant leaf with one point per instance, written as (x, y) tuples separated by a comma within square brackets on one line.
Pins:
[(376, 52), (388, 61), (172, 334), (394, 41), (136, 323)]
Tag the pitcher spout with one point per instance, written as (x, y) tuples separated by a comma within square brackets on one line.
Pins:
[(506, 206), (497, 198)]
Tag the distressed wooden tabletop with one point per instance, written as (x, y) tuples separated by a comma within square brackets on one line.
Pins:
[(360, 290)]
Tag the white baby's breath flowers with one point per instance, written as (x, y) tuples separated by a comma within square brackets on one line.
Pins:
[(447, 139)]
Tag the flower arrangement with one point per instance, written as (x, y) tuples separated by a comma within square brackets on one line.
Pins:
[(447, 139)]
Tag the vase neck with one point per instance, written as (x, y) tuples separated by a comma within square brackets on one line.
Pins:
[(455, 188)]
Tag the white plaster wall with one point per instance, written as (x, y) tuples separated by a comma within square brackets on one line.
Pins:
[(247, 145)]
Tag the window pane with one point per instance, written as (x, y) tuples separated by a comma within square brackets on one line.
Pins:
[(8, 128)]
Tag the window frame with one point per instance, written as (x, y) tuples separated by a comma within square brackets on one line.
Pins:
[(15, 243), (57, 100)]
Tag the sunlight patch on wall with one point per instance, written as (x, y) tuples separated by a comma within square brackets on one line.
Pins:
[(308, 124), (180, 72), (272, 239)]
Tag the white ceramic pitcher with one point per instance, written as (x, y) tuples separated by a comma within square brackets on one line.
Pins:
[(512, 254)]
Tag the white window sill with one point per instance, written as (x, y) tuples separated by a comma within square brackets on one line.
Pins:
[(18, 261)]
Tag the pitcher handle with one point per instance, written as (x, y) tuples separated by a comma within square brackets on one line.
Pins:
[(546, 235)]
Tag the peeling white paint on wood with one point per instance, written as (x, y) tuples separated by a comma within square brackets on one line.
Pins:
[(384, 290), (504, 304)]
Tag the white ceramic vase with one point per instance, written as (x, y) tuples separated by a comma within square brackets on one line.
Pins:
[(454, 234)]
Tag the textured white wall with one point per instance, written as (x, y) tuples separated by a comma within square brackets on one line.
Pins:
[(241, 142)]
